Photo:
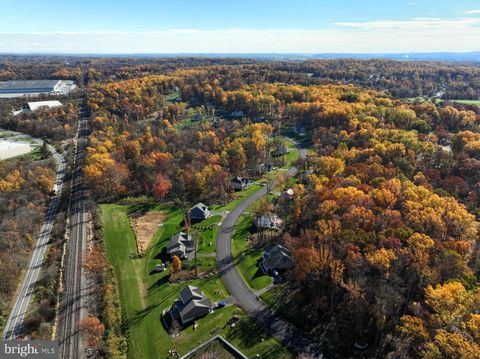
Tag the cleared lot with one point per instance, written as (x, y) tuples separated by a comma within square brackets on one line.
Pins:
[(9, 149)]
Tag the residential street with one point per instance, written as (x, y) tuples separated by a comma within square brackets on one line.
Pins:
[(282, 330)]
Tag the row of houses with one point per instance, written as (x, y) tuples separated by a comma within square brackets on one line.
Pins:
[(192, 303)]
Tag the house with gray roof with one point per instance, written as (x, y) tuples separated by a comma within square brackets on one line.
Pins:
[(199, 212), (180, 244), (268, 221), (277, 258), (191, 305), (239, 183)]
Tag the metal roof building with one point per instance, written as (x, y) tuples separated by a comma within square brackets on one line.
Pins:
[(29, 86), (33, 106)]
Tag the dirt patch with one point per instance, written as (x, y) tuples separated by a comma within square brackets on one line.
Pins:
[(144, 227)]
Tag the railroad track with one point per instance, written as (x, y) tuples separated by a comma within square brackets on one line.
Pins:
[(72, 303)]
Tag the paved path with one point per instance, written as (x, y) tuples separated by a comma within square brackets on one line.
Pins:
[(14, 326), (280, 329)]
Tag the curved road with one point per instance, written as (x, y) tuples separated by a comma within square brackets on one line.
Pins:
[(13, 327), (282, 330)]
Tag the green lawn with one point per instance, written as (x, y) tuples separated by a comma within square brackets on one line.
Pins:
[(293, 155), (172, 96), (247, 258), (35, 155), (145, 294), (207, 237), (466, 102), (239, 197), (270, 298)]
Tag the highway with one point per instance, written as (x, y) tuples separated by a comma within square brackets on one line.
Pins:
[(280, 329), (72, 300), (14, 326)]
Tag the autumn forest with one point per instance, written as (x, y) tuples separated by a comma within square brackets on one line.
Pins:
[(383, 220)]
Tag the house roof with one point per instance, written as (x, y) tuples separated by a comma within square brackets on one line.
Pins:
[(192, 303), (28, 84), (179, 241), (239, 179), (194, 309), (191, 293), (200, 206), (270, 220), (289, 192), (181, 236), (277, 257), (33, 106)]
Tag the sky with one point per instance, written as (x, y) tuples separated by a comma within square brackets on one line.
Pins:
[(244, 26)]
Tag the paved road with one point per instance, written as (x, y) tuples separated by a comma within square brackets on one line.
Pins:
[(282, 330), (72, 302), (14, 327)]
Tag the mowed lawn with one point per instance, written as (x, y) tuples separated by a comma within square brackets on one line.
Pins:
[(465, 102), (145, 293), (247, 258)]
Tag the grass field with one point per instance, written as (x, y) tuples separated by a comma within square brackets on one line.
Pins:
[(207, 237), (239, 196), (466, 102), (247, 258), (145, 294)]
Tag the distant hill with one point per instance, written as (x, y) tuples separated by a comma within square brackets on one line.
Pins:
[(426, 56), (430, 56)]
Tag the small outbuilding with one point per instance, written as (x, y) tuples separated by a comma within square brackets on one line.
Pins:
[(160, 267)]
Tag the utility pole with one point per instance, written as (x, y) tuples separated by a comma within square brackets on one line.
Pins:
[(195, 236)]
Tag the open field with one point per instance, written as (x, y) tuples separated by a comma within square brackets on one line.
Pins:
[(10, 149), (14, 144), (465, 102), (145, 294), (247, 258)]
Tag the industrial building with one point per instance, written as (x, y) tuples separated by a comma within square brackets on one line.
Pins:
[(19, 88), (33, 106)]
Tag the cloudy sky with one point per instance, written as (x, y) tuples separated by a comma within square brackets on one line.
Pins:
[(246, 26)]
